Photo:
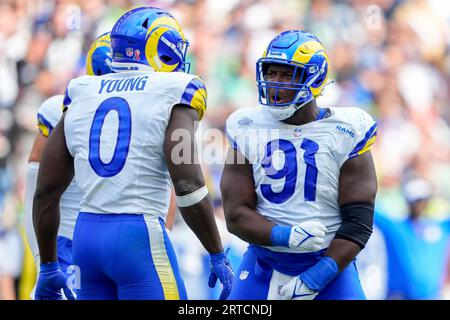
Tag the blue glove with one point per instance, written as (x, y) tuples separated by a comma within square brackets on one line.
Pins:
[(50, 282), (221, 269)]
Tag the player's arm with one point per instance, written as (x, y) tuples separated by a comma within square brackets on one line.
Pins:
[(191, 193), (239, 203), (55, 174), (37, 148), (30, 187), (187, 178), (357, 191), (34, 159)]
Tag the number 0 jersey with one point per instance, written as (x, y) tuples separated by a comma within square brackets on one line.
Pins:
[(48, 115), (115, 128), (296, 169)]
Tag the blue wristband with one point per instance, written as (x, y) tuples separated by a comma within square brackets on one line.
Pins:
[(280, 236), (49, 267), (217, 257), (318, 276)]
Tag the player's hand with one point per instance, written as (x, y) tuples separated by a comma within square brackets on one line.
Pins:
[(296, 289), (50, 282), (221, 269), (307, 236)]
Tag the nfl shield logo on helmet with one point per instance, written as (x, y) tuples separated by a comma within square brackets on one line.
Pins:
[(129, 52)]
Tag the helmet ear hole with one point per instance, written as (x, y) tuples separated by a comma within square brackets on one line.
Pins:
[(165, 58), (145, 24), (318, 82)]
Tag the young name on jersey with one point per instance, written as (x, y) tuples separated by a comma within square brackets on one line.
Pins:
[(129, 84)]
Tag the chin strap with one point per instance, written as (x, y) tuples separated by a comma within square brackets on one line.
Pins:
[(326, 85), (298, 106)]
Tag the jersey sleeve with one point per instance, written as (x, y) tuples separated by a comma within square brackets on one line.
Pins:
[(356, 135), (68, 95), (195, 95), (49, 114), (365, 136), (238, 133)]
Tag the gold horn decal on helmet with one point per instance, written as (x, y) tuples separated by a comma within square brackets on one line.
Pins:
[(151, 50)]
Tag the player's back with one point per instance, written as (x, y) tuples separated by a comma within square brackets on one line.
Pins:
[(115, 127)]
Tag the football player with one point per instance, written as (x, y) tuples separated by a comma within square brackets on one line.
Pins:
[(98, 62), (296, 163), (118, 136)]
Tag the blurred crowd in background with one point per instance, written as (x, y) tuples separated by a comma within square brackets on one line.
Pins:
[(389, 57)]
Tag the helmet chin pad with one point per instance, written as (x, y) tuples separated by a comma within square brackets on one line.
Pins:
[(283, 113)]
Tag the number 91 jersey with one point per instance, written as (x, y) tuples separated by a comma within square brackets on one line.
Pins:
[(296, 169), (115, 127)]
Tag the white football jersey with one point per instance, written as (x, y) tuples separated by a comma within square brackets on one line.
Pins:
[(48, 115), (115, 127), (296, 168)]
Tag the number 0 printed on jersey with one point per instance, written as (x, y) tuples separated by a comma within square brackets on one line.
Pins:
[(117, 162)]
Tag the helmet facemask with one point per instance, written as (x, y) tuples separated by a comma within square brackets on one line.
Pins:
[(277, 95)]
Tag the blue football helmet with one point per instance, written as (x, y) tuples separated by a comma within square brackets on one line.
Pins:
[(304, 53), (148, 36), (99, 57)]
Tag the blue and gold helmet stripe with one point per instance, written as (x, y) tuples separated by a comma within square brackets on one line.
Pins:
[(366, 143), (45, 127), (195, 96)]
